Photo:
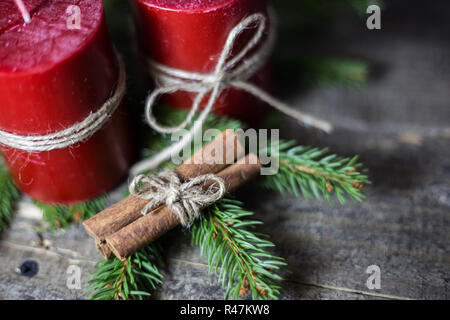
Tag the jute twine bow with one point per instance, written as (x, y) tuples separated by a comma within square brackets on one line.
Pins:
[(184, 199), (74, 134), (230, 72)]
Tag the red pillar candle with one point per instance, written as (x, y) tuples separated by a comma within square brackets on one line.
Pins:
[(53, 74), (190, 35)]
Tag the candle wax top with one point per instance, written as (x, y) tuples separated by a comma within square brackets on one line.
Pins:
[(192, 5), (46, 39)]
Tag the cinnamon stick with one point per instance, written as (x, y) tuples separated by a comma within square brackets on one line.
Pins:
[(210, 159), (142, 232)]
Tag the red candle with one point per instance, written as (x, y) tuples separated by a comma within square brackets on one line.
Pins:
[(53, 74), (190, 35)]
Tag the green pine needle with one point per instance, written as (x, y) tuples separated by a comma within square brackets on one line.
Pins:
[(323, 71), (311, 172), (9, 195), (133, 279), (113, 277), (237, 253), (61, 216)]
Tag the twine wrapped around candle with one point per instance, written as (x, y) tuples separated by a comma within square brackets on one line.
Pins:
[(230, 72), (74, 134)]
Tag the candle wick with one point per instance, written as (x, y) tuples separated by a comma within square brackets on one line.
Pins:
[(23, 10)]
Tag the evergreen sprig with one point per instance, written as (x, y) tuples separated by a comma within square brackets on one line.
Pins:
[(227, 238), (106, 281), (132, 279), (9, 195), (238, 254), (312, 172), (308, 18), (61, 216), (332, 70)]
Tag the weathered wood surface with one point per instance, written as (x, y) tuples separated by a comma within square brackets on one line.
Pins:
[(399, 124)]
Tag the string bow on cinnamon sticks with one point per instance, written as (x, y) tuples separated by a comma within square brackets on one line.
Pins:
[(185, 199), (233, 70), (178, 196)]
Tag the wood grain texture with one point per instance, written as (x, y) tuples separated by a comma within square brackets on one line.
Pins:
[(398, 124)]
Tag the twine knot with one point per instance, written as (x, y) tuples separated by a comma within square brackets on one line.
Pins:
[(233, 70), (185, 199), (173, 195)]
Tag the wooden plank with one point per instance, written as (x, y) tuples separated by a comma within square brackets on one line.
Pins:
[(398, 123)]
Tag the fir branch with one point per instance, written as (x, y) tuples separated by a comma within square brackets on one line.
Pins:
[(308, 18), (132, 279), (113, 276), (9, 195), (61, 216), (237, 253), (325, 71), (312, 173)]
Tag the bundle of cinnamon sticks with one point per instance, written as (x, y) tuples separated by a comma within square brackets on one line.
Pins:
[(122, 229)]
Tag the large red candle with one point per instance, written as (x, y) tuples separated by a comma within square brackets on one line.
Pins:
[(51, 77), (190, 35)]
